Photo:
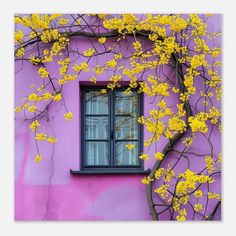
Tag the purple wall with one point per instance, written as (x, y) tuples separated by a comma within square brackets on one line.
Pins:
[(47, 190)]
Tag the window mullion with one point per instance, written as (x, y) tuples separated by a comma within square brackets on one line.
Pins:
[(112, 129)]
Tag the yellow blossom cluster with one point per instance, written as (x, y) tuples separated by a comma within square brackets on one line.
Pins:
[(82, 67), (89, 52), (130, 146), (147, 180), (182, 215), (198, 122), (34, 125), (159, 156), (209, 164), (211, 195), (50, 35), (43, 137), (102, 40), (38, 158), (68, 116), (176, 124), (190, 181), (18, 36), (198, 207), (162, 191), (43, 72), (144, 156)]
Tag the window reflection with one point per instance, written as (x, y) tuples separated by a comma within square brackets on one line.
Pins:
[(126, 128), (96, 153), (96, 127), (96, 103), (126, 104), (124, 156)]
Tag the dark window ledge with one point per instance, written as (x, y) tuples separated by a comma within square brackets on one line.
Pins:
[(109, 172)]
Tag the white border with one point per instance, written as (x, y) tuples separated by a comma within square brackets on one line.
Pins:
[(7, 224)]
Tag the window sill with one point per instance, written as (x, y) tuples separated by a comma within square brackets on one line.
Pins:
[(109, 172)]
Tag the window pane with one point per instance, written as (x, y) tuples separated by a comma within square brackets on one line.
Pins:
[(124, 156), (126, 127), (96, 153), (126, 104), (96, 127), (96, 103)]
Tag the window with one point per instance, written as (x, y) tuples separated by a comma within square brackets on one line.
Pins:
[(109, 123)]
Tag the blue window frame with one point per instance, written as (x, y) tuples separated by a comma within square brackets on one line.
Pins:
[(109, 123)]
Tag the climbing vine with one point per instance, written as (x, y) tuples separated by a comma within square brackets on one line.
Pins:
[(173, 60)]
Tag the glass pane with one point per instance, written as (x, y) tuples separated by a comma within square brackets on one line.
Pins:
[(96, 153), (96, 127), (126, 104), (126, 127), (124, 156), (96, 103)]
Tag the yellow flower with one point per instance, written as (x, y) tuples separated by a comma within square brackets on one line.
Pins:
[(130, 146), (89, 52), (144, 156), (161, 89), (214, 196), (68, 116), (93, 79), (198, 123), (198, 193), (219, 157), (159, 156), (198, 60), (35, 60), (47, 96), (63, 21), (18, 36), (159, 173), (43, 72), (20, 52), (188, 141), (84, 66), (162, 104), (34, 125), (216, 52), (57, 97), (137, 45), (209, 164), (198, 207), (49, 35), (32, 109), (33, 97), (102, 40), (175, 90), (41, 136), (18, 109), (176, 124), (162, 191), (180, 218), (146, 180), (103, 91), (52, 139), (153, 37), (111, 63), (38, 158)]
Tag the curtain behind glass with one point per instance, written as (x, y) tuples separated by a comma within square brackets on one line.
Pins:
[(96, 129), (126, 128)]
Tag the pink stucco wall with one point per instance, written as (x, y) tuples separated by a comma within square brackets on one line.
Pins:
[(47, 191)]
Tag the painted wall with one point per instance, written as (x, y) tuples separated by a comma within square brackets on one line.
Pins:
[(47, 191)]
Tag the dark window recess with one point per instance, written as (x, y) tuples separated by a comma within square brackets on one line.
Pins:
[(109, 124)]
